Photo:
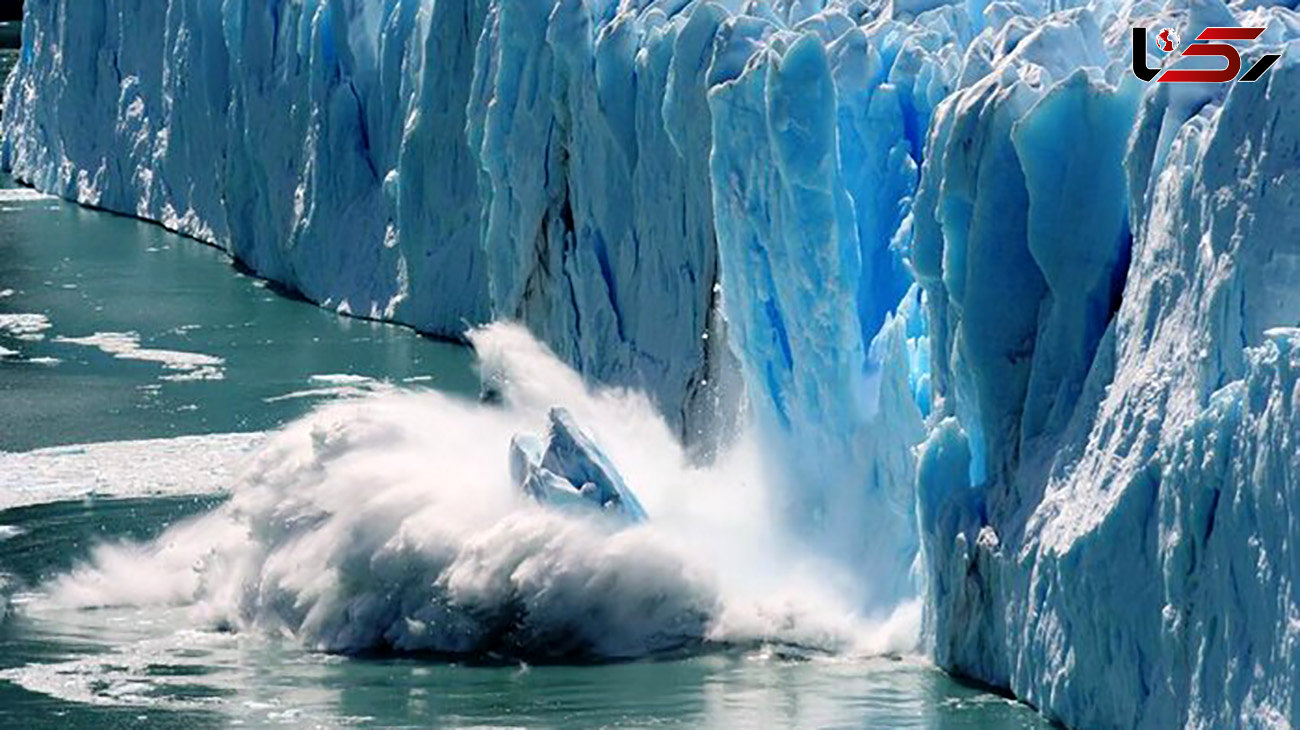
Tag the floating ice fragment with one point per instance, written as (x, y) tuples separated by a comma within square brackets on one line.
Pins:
[(1283, 335), (24, 326), (126, 346), (571, 472), (23, 195)]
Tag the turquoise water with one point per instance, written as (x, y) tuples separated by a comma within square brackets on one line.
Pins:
[(85, 273), (223, 680), (116, 330)]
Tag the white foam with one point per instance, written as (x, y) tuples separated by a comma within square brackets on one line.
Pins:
[(125, 673), (126, 346), (254, 683), (119, 679), (17, 357), (338, 387), (179, 466), (391, 522), (24, 326), (23, 195), (341, 379), (8, 532)]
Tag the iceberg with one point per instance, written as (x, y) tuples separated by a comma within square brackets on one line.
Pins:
[(1014, 329), (572, 472)]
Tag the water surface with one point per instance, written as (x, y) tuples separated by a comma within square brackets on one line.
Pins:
[(173, 673), (214, 350)]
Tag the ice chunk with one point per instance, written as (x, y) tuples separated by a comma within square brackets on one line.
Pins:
[(571, 471), (24, 326)]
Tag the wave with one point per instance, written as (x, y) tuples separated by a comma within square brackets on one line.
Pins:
[(390, 524)]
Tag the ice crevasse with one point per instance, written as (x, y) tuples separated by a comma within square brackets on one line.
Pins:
[(1018, 328)]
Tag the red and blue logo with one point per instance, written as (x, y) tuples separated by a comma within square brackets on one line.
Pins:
[(1203, 45)]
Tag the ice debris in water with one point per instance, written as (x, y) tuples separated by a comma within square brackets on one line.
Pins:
[(392, 524), (571, 472)]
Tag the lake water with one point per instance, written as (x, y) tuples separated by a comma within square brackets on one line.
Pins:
[(119, 330), (114, 331)]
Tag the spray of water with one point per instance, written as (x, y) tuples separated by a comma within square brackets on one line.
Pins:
[(391, 524)]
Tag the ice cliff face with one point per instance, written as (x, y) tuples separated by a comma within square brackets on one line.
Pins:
[(1106, 492), (960, 225)]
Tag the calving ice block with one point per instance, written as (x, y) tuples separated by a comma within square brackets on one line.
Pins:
[(571, 472)]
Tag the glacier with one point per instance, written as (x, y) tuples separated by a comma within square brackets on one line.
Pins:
[(1016, 331), (1104, 497)]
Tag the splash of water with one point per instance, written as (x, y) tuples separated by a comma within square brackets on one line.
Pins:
[(391, 524)]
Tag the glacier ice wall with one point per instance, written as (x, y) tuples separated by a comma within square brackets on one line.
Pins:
[(278, 131), (1105, 494), (963, 225)]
